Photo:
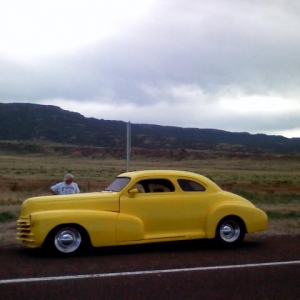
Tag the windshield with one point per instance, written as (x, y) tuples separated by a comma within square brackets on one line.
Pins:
[(118, 184)]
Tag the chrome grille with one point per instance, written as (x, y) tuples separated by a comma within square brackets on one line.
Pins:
[(23, 231)]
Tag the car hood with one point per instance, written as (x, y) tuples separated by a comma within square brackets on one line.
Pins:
[(85, 201)]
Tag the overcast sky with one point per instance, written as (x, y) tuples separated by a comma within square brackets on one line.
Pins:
[(224, 64)]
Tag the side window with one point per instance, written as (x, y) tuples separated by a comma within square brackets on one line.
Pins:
[(139, 187), (190, 186), (157, 185)]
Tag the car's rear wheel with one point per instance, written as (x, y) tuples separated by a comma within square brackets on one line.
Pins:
[(68, 239), (230, 231)]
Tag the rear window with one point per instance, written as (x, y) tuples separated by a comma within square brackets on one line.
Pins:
[(190, 186)]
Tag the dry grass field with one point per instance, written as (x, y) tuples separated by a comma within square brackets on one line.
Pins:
[(272, 182)]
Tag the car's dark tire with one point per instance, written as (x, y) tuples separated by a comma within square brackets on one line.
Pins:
[(230, 231), (67, 239)]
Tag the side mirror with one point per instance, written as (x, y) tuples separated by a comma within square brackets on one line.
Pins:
[(132, 192)]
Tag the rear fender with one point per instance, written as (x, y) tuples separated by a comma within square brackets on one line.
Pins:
[(217, 213)]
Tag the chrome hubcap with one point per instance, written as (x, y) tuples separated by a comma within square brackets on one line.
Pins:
[(67, 240), (230, 231)]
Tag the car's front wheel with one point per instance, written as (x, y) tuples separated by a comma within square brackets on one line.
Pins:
[(67, 239), (230, 231)]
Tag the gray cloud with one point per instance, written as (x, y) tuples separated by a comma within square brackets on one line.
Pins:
[(237, 47)]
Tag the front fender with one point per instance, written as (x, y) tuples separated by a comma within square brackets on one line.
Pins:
[(100, 225), (254, 218)]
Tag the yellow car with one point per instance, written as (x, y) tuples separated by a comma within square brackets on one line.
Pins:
[(139, 207)]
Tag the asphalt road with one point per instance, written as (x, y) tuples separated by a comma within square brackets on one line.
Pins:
[(262, 268)]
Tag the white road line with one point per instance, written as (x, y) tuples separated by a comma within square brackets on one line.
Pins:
[(153, 272)]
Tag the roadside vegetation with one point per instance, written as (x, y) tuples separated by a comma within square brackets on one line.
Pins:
[(271, 182)]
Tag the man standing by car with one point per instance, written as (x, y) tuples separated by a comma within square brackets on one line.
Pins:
[(65, 187)]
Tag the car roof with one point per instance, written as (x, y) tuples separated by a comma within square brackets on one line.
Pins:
[(158, 172), (144, 173)]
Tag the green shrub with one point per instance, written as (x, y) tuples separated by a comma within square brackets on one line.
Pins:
[(269, 198), (7, 216), (283, 215)]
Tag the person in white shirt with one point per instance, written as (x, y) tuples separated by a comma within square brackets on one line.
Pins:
[(65, 187)]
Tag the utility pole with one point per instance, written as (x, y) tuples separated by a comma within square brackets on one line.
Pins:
[(128, 145)]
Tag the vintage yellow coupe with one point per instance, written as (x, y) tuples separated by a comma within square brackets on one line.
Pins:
[(139, 207)]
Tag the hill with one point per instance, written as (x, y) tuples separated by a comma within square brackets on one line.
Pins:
[(47, 123)]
